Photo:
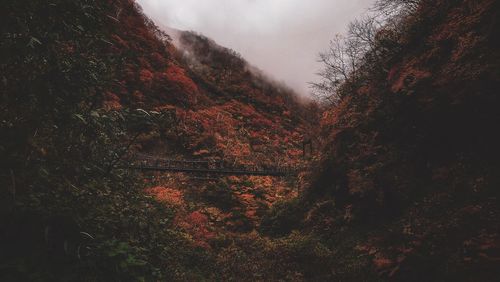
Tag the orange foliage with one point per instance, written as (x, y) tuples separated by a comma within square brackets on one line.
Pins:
[(178, 76), (166, 195), (381, 263), (407, 76)]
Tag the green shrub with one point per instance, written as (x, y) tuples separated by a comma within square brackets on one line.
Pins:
[(220, 195), (282, 218)]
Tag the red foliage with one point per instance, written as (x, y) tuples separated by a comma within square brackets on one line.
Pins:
[(178, 76), (111, 101), (167, 195), (196, 224), (158, 60), (146, 77), (197, 219)]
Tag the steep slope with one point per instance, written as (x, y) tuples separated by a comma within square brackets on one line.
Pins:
[(223, 108), (215, 94), (407, 185), (65, 214), (73, 75)]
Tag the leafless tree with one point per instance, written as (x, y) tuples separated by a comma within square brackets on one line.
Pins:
[(335, 71), (364, 49), (364, 31), (343, 60), (392, 7)]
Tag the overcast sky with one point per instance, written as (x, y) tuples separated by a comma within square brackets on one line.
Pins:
[(281, 37)]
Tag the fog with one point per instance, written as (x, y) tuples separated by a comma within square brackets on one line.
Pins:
[(281, 37)]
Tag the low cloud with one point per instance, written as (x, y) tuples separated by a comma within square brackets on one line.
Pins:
[(281, 37)]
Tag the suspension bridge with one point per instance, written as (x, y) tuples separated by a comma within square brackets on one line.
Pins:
[(207, 167)]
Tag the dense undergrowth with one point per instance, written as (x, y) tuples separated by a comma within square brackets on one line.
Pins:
[(65, 214)]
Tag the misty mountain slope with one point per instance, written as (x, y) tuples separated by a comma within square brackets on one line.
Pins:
[(223, 108), (202, 89), (73, 76), (407, 185)]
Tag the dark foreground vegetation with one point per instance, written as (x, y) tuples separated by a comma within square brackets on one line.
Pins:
[(405, 186)]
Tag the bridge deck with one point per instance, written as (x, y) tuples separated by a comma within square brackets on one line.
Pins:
[(213, 171), (148, 163)]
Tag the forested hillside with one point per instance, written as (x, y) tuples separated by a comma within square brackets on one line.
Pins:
[(407, 185), (86, 84)]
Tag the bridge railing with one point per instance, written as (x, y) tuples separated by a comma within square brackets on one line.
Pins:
[(144, 162)]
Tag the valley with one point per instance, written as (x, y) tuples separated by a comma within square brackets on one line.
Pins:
[(132, 152)]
